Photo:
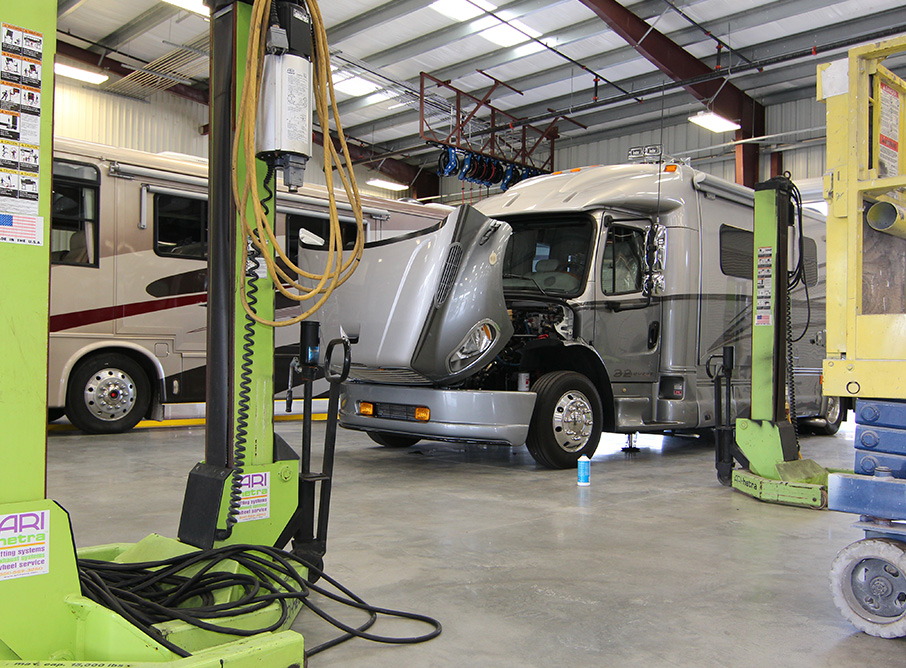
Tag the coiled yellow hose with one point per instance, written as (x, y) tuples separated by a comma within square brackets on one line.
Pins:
[(259, 230)]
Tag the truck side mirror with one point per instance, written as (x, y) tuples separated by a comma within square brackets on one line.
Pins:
[(655, 252)]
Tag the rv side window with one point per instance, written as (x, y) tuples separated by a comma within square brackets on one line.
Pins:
[(74, 214), (621, 269), (180, 226), (736, 247), (315, 232)]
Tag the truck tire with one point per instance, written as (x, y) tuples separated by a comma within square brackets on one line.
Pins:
[(392, 440), (567, 420), (108, 393)]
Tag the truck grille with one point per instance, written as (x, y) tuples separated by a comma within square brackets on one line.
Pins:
[(448, 278), (395, 412), (387, 376)]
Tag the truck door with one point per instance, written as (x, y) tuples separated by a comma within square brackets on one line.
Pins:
[(628, 319)]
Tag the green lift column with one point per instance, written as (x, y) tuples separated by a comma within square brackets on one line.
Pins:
[(768, 438)]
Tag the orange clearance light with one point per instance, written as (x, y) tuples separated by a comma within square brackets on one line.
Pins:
[(366, 408), (669, 168), (575, 169), (422, 413)]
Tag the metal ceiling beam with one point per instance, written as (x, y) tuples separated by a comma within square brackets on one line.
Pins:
[(776, 11), (372, 19), (446, 36), (67, 7), (116, 67), (141, 24), (722, 97)]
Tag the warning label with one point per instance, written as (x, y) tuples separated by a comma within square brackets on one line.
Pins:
[(889, 132)]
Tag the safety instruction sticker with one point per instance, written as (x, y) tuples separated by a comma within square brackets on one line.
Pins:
[(24, 541), (21, 69), (255, 503), (764, 286), (889, 132)]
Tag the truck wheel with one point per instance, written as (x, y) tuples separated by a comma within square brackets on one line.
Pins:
[(54, 414), (392, 440), (108, 393), (567, 420), (834, 413), (868, 582)]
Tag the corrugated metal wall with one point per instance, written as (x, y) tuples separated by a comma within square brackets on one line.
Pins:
[(165, 122)]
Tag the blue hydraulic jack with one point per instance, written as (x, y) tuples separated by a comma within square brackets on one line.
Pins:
[(868, 577)]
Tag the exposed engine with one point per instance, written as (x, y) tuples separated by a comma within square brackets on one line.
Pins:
[(537, 325)]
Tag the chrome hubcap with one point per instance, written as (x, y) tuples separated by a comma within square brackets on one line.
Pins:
[(110, 394), (833, 410), (573, 421)]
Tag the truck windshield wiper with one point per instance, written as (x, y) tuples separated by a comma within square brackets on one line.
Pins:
[(522, 277)]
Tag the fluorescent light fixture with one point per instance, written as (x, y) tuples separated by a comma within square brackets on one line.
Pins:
[(87, 76), (356, 86), (506, 34), (196, 6), (386, 185), (461, 10), (711, 121)]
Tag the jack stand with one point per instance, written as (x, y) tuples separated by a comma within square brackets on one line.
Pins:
[(769, 442), (631, 448)]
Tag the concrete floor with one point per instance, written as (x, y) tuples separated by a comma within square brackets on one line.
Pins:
[(654, 564)]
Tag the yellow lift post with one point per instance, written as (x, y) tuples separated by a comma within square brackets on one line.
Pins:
[(866, 325)]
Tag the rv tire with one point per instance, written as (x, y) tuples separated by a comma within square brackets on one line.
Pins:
[(567, 420), (834, 414), (392, 440), (108, 393)]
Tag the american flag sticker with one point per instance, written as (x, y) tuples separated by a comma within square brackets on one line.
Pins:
[(16, 229)]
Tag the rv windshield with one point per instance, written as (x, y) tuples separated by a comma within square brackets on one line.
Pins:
[(548, 254)]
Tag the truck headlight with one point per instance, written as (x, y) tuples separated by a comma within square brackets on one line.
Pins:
[(470, 349)]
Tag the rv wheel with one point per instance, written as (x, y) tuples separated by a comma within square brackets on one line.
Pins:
[(834, 414), (108, 393), (392, 440), (868, 583), (567, 420)]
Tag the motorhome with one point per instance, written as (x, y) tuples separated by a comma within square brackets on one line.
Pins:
[(128, 295), (575, 303)]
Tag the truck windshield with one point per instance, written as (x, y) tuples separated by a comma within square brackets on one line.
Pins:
[(548, 254)]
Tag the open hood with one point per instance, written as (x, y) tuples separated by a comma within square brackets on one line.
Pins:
[(425, 307)]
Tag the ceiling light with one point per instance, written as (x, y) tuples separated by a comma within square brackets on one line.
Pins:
[(196, 6), (506, 34), (462, 10), (713, 122), (82, 75), (356, 86), (386, 185)]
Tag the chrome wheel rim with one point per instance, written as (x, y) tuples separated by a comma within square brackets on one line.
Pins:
[(573, 421), (110, 394), (833, 410)]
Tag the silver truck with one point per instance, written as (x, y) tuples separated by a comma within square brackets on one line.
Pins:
[(575, 303)]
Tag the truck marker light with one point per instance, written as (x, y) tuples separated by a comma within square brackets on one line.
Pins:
[(422, 413), (366, 408), (670, 168)]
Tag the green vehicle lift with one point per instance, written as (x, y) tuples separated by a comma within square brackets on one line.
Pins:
[(46, 620), (766, 443)]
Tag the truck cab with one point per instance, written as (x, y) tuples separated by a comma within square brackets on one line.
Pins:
[(575, 303)]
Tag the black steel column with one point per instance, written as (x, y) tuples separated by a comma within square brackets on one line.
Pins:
[(221, 239)]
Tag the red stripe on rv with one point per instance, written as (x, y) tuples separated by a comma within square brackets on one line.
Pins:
[(91, 316)]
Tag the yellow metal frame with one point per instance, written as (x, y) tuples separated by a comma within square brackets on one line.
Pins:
[(866, 352)]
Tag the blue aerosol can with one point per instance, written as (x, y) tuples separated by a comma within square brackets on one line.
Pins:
[(583, 472)]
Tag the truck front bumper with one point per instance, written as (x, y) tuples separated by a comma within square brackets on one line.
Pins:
[(466, 416)]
